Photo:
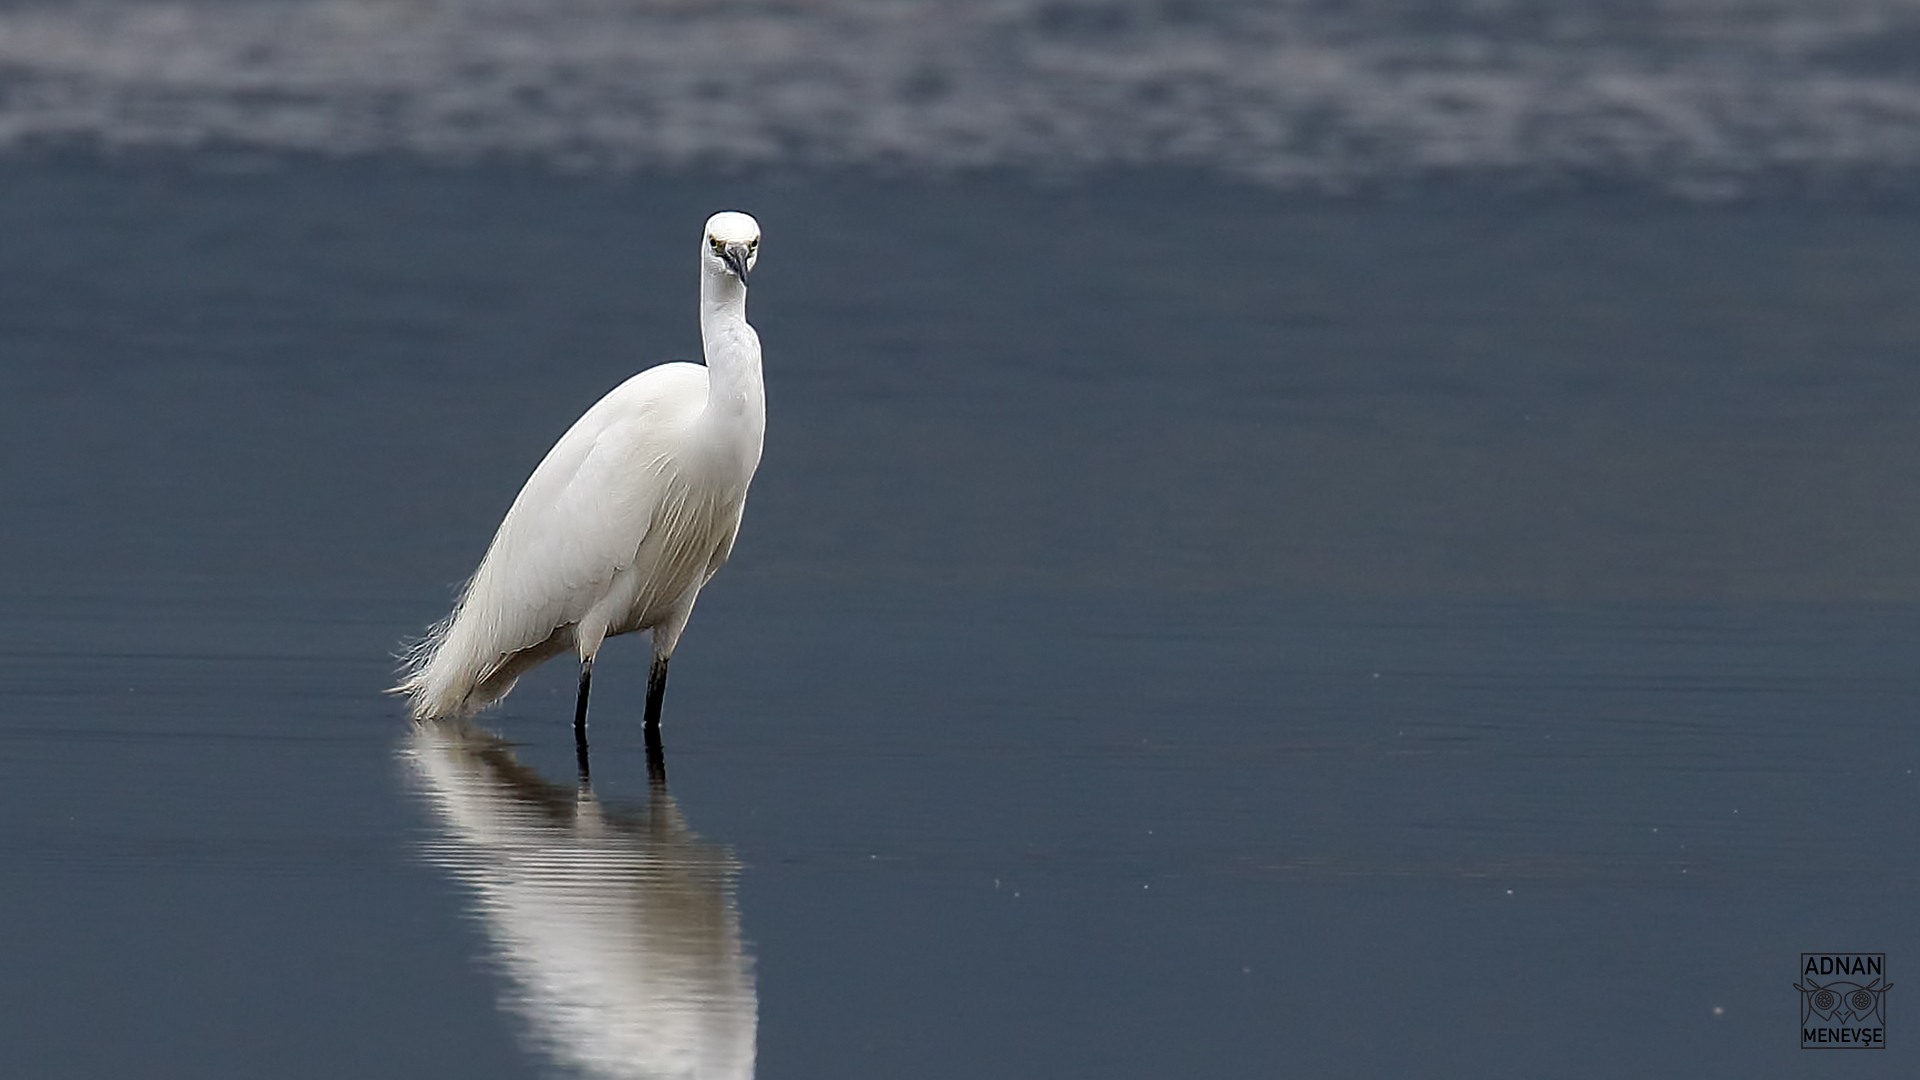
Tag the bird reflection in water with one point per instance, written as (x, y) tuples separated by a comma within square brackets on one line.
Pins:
[(616, 931)]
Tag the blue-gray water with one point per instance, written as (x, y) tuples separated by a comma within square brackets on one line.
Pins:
[(1178, 629), (1182, 626)]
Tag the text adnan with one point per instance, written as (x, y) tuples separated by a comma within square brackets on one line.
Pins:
[(1844, 965)]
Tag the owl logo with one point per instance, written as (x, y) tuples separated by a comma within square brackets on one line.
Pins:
[(1843, 1003)]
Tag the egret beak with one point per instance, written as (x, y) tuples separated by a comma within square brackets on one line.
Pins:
[(735, 256)]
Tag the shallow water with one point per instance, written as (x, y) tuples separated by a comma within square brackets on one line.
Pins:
[(1178, 629)]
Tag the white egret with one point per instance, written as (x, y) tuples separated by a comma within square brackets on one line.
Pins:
[(624, 520)]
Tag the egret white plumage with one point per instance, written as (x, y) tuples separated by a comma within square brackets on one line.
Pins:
[(625, 519)]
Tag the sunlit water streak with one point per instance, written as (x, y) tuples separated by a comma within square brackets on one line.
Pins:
[(1703, 95), (616, 932)]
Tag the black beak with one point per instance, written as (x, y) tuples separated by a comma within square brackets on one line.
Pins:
[(735, 256)]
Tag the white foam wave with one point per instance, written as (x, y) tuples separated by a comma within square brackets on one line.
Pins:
[(1300, 92)]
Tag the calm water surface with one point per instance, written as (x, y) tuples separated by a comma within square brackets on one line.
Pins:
[(1178, 630)]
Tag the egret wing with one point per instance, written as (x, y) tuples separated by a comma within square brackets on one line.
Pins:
[(584, 512)]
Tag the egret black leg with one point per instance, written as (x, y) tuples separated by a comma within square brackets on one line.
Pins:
[(580, 702), (580, 717), (656, 689), (656, 756)]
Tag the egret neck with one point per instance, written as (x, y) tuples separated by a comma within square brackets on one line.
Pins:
[(736, 397)]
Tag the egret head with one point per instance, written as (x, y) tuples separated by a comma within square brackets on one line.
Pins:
[(732, 245)]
